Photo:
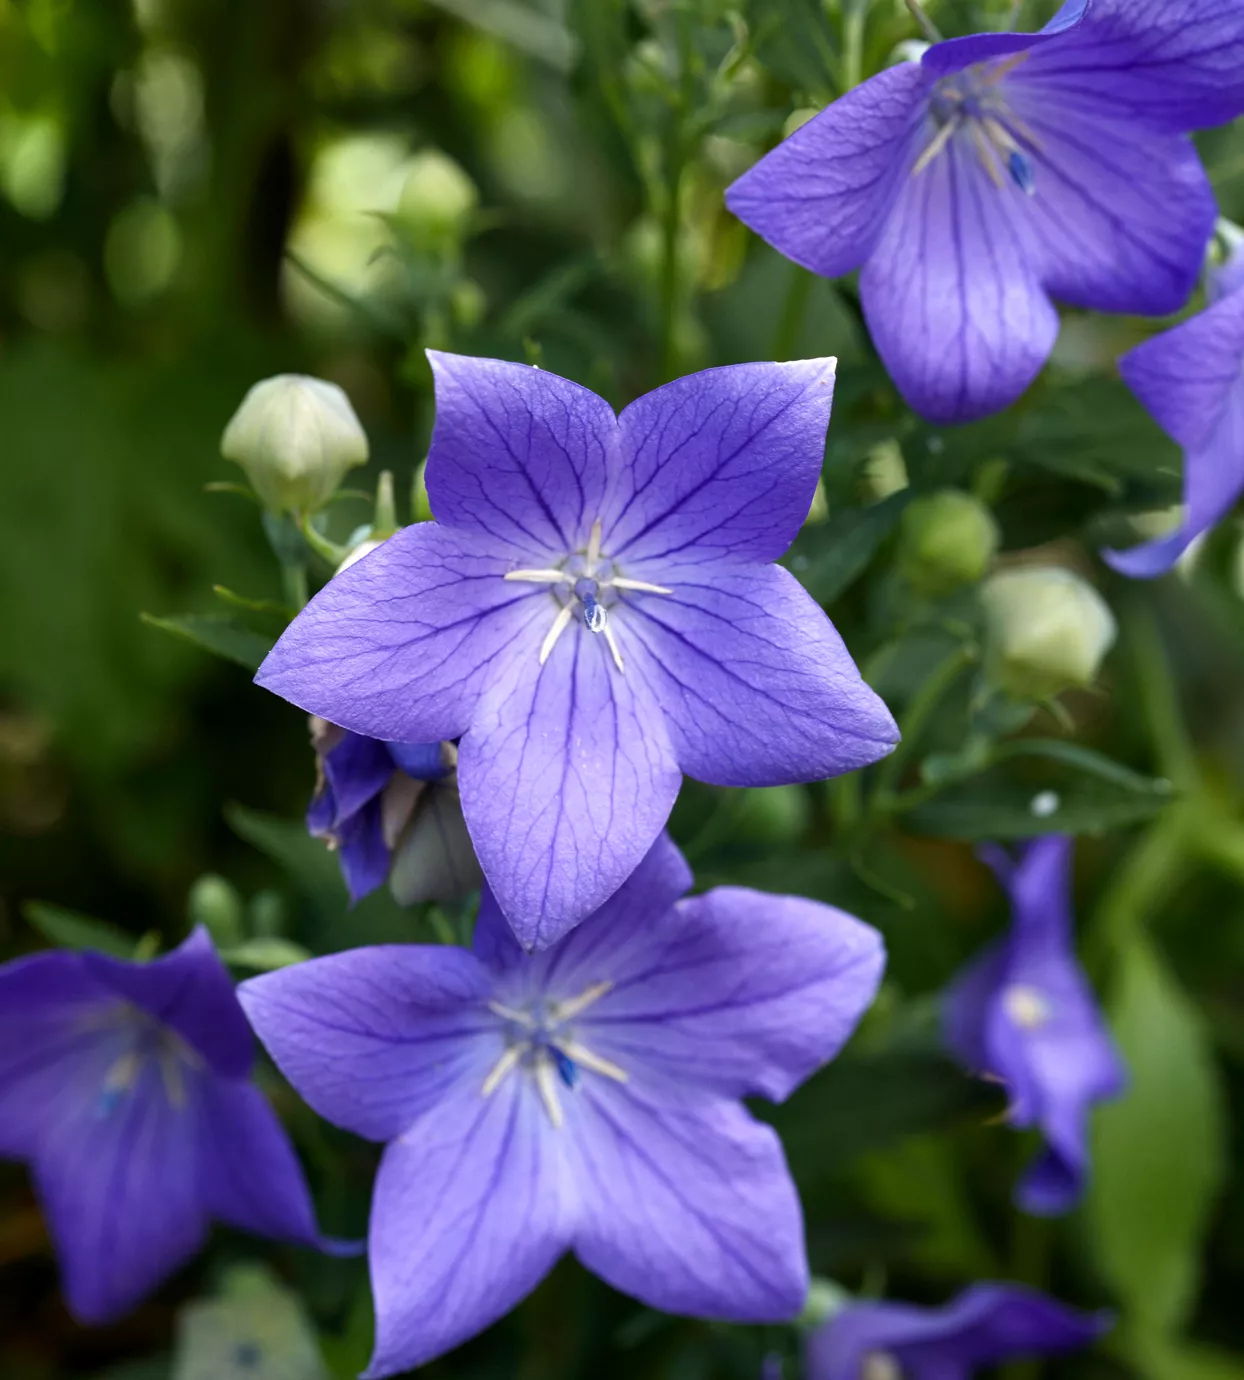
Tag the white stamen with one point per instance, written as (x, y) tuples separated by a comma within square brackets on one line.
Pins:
[(562, 1011), (500, 1069), (613, 647), (123, 1074), (584, 1057), (539, 577), (639, 586), (938, 143), (881, 1365), (508, 1013), (593, 547), (174, 1082), (1026, 1006), (546, 1086), (560, 624), (986, 153)]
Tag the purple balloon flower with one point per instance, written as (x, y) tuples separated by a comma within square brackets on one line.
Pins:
[(986, 1323), (1003, 170), (1191, 379), (391, 812), (583, 1099), (1024, 1013), (126, 1088), (593, 613)]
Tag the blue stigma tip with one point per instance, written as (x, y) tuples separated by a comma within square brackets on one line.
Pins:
[(567, 1069), (1022, 173), (594, 615)]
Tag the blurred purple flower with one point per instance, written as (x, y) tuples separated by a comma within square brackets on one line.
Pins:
[(1004, 170), (126, 1088), (986, 1323), (391, 812), (1191, 379), (1024, 1013), (595, 612), (586, 1098)]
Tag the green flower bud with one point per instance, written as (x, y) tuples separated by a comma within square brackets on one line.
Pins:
[(946, 540), (295, 437), (1048, 631), (437, 200), (215, 903)]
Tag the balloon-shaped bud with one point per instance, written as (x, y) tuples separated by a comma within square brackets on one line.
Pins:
[(295, 437), (947, 540), (437, 200)]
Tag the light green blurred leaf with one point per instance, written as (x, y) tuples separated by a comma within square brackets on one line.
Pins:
[(265, 954), (217, 633), (1158, 1152), (311, 867), (69, 929)]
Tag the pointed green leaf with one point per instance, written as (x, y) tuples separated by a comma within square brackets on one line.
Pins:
[(219, 634), (827, 558), (69, 929), (265, 955)]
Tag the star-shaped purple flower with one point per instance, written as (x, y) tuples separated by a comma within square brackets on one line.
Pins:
[(1004, 170), (595, 612), (586, 1098), (1024, 1013), (126, 1088), (1191, 378), (391, 812), (985, 1324)]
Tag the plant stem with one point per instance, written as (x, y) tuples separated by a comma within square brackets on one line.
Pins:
[(794, 308), (294, 582), (853, 16)]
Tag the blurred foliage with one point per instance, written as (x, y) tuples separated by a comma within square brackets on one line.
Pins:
[(198, 193)]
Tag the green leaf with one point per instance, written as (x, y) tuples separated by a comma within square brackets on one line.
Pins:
[(311, 866), (1041, 786), (217, 633), (265, 955), (827, 558), (1158, 1153), (71, 930)]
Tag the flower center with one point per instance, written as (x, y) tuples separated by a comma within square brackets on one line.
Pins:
[(540, 1041), (578, 584), (881, 1365), (1028, 1007), (147, 1040), (973, 101)]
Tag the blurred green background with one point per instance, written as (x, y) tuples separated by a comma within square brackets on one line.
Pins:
[(198, 193)]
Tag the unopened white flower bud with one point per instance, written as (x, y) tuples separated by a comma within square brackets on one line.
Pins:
[(295, 437), (437, 200), (1048, 631)]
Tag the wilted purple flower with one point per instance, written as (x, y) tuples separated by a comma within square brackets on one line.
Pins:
[(126, 1088), (986, 1323), (586, 1098), (1003, 170), (1024, 1013), (1191, 378), (391, 812), (595, 612)]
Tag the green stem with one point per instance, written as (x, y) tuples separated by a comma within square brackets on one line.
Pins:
[(794, 308), (853, 16), (1031, 1244), (320, 544), (670, 227), (1159, 699), (294, 582)]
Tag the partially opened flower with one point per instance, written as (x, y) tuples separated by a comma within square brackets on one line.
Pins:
[(1191, 378), (391, 812), (593, 613), (1024, 1013), (583, 1099), (1002, 171), (126, 1088), (985, 1324)]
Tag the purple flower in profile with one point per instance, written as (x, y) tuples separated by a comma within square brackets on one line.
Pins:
[(126, 1088), (986, 1323), (1191, 378), (391, 812), (593, 613), (1024, 1013), (1004, 170), (583, 1099)]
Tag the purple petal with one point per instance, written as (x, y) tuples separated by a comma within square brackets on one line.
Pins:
[(1122, 215), (721, 466), (250, 1176), (566, 778), (986, 1323), (51, 1011), (191, 992), (119, 1187), (967, 1004), (420, 761), (955, 54), (518, 456), (756, 685), (363, 853), (374, 1038), (1173, 65), (400, 645), (686, 1204), (735, 991), (356, 770), (952, 299), (471, 1211), (1189, 378), (822, 196)]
